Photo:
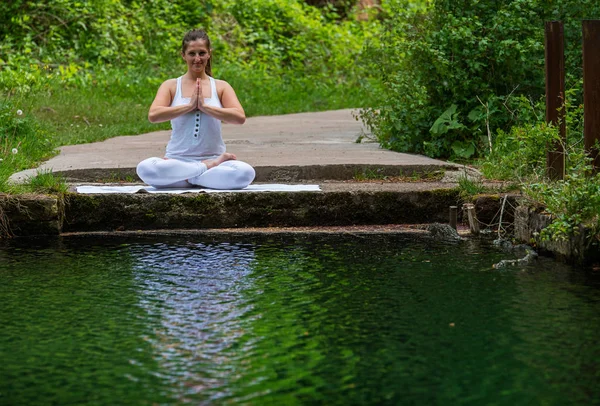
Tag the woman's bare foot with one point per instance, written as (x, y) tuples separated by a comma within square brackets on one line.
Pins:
[(226, 156)]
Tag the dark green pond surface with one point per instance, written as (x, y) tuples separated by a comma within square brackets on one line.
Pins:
[(322, 320)]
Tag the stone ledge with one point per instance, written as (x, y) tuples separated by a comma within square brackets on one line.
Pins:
[(30, 215), (109, 212)]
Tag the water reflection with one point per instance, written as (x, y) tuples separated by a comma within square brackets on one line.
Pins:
[(194, 293)]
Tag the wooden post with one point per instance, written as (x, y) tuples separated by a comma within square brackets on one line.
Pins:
[(555, 97), (453, 216), (473, 222), (591, 89)]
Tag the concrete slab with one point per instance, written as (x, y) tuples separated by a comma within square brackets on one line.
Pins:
[(293, 140)]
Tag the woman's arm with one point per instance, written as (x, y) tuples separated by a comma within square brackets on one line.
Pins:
[(161, 109), (232, 111)]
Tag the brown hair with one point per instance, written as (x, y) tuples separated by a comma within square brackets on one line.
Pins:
[(194, 35)]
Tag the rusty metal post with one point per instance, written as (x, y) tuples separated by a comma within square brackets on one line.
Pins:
[(591, 89), (555, 97)]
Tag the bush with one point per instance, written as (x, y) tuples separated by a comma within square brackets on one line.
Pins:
[(460, 65), (90, 32), (78, 38)]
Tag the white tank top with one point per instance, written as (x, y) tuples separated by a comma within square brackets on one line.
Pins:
[(195, 135)]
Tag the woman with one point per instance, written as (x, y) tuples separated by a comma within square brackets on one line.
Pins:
[(196, 152)]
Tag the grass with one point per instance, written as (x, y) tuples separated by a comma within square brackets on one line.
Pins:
[(44, 182), (269, 95), (48, 183), (378, 175), (469, 187), (370, 174), (78, 116), (118, 177)]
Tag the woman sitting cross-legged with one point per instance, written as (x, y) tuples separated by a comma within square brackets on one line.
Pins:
[(196, 152)]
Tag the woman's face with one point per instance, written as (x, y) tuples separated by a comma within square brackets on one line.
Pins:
[(196, 55)]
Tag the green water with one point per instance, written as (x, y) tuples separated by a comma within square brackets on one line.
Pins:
[(328, 320)]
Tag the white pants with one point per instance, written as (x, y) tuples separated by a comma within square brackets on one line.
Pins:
[(163, 173)]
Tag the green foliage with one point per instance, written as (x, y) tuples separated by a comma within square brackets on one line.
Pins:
[(44, 182), (289, 34), (477, 55), (90, 32), (448, 121), (520, 153), (118, 43), (75, 41), (334, 9), (264, 93)]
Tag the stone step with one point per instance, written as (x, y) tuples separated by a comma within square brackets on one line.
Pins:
[(337, 204)]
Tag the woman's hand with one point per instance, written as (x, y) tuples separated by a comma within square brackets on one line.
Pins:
[(200, 97), (197, 100), (196, 95)]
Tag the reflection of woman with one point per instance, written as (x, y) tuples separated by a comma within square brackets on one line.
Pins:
[(196, 152)]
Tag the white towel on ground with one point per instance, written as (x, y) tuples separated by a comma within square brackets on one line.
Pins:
[(275, 187)]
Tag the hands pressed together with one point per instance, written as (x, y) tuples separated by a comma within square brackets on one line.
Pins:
[(197, 99)]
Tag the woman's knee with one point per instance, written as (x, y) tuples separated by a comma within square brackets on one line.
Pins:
[(228, 175), (244, 173), (147, 170), (247, 171)]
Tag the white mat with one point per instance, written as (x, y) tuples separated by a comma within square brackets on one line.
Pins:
[(275, 187)]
